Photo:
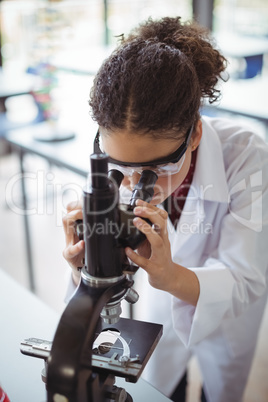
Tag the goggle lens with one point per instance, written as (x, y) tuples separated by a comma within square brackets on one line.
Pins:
[(160, 170)]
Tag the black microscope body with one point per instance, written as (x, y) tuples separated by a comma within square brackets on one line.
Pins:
[(76, 368)]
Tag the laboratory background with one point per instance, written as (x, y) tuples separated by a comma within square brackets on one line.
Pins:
[(49, 53)]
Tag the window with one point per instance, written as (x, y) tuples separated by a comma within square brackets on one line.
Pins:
[(35, 30), (243, 17)]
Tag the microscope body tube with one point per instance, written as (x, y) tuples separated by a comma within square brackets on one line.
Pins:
[(103, 255)]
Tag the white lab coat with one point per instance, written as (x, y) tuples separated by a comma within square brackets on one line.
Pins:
[(222, 236)]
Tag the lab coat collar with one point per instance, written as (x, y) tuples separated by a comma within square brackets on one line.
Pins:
[(209, 181), (209, 184)]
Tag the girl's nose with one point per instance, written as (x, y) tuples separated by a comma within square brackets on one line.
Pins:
[(134, 179)]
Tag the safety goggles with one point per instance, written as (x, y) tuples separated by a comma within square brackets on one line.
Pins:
[(168, 165)]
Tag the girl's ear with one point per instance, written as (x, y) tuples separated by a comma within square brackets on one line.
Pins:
[(197, 135)]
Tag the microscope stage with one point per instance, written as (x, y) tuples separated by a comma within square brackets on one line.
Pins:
[(125, 347)]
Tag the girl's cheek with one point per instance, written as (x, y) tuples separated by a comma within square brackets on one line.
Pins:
[(125, 182), (167, 186), (160, 186), (164, 185), (125, 185)]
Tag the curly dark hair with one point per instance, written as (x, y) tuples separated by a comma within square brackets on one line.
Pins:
[(155, 80)]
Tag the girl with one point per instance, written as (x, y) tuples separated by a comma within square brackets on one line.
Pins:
[(206, 255)]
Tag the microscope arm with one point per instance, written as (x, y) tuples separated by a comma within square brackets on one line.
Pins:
[(72, 346)]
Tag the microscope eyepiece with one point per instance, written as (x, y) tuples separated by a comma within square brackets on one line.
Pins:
[(116, 176), (144, 189)]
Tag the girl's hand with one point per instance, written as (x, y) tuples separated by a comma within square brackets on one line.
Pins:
[(74, 251), (162, 272), (154, 255)]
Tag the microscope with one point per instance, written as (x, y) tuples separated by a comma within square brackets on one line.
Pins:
[(92, 344)]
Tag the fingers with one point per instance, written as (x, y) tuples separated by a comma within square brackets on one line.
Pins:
[(156, 233), (157, 216), (152, 233), (73, 205), (69, 224), (137, 259), (74, 255), (150, 209), (72, 252)]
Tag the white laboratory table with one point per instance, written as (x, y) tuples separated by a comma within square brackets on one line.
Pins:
[(23, 315), (233, 45), (246, 97)]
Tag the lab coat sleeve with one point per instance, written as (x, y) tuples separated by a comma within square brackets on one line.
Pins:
[(234, 276)]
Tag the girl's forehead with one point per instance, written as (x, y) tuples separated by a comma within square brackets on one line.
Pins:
[(129, 147)]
